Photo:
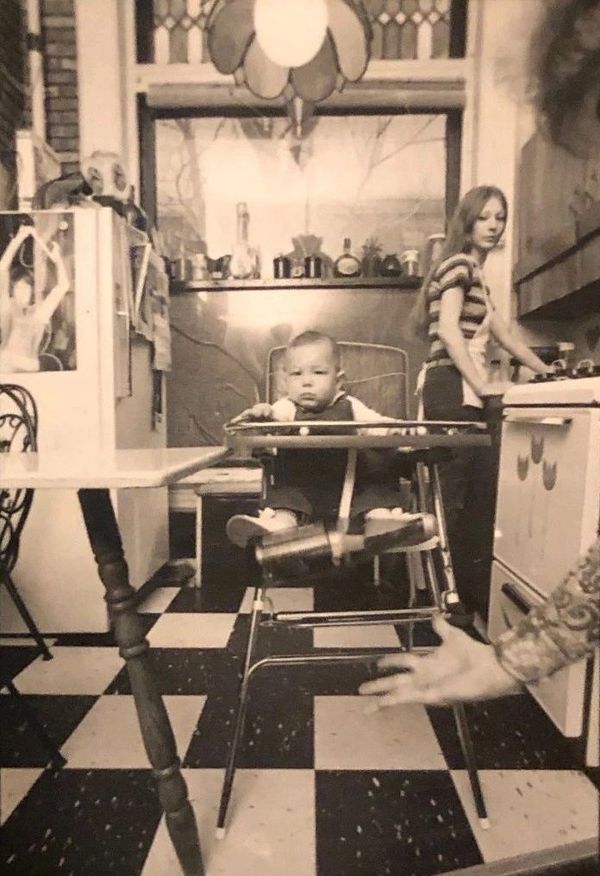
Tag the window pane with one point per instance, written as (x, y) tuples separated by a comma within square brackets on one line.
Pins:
[(180, 25), (390, 184)]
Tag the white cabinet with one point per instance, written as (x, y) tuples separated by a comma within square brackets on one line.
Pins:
[(102, 395), (549, 491), (562, 695)]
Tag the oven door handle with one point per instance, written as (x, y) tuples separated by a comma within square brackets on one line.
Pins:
[(517, 599), (532, 420)]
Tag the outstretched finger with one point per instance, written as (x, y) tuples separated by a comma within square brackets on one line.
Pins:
[(379, 685), (404, 695), (399, 661)]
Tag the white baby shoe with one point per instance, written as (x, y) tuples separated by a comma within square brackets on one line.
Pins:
[(241, 528)]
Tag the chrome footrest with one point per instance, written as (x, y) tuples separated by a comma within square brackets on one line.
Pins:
[(350, 618)]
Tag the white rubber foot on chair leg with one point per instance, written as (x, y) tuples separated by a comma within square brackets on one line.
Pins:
[(220, 833), (484, 823)]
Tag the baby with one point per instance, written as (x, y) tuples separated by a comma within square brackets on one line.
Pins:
[(306, 484)]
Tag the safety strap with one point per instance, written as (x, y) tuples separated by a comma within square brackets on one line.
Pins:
[(347, 490)]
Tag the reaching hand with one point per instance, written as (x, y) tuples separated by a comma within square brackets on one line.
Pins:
[(260, 411), (459, 670)]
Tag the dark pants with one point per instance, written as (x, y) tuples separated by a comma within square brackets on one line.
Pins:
[(469, 484), (309, 482)]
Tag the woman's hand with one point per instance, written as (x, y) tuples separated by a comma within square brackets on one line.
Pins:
[(459, 670)]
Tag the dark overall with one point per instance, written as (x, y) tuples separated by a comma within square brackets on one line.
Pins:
[(309, 482)]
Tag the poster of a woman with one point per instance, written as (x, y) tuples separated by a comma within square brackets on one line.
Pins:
[(26, 310)]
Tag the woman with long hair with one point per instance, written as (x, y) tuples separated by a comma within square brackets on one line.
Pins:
[(456, 316)]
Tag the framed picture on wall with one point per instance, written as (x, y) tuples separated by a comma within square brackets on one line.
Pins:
[(37, 305)]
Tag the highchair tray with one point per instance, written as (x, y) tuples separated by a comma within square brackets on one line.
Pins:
[(304, 427), (405, 435)]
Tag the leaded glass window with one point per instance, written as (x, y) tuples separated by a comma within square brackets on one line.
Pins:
[(402, 29)]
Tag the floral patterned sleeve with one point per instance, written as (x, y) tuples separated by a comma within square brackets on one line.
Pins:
[(559, 632)]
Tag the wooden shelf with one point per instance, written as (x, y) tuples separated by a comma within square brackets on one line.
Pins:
[(400, 284)]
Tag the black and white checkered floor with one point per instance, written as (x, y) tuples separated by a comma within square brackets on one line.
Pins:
[(322, 788)]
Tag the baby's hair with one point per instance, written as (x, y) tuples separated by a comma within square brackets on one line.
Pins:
[(312, 337)]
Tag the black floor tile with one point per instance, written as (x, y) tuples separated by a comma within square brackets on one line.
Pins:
[(508, 733), (390, 824), (271, 639), (59, 715), (14, 659), (184, 671), (593, 774), (279, 725), (334, 679), (83, 823), (222, 595), (100, 640)]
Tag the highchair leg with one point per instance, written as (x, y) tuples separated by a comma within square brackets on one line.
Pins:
[(466, 744), (240, 718), (460, 717), (444, 547)]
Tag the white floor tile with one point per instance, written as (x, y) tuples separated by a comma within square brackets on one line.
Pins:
[(76, 670), (282, 598), (109, 736), (393, 739), (192, 630), (530, 810), (159, 600), (271, 827), (14, 785), (383, 636)]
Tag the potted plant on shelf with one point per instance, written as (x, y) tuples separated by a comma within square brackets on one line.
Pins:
[(371, 258)]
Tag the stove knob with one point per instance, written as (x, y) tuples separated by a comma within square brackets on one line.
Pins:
[(585, 368), (560, 368)]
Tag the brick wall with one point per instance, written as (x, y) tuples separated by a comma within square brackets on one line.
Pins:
[(12, 92), (60, 73)]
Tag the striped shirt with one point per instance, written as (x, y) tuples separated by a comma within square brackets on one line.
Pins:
[(463, 272)]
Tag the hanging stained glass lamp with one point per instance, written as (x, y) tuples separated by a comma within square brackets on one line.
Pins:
[(300, 51)]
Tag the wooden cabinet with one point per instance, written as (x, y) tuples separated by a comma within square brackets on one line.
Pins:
[(558, 267)]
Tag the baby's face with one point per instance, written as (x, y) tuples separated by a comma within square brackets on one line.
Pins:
[(312, 375)]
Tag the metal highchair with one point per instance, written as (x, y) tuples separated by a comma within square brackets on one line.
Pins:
[(422, 533)]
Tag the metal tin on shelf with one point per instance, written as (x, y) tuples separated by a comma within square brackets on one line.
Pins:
[(313, 266)]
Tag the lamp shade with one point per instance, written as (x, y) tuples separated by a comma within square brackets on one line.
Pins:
[(290, 32), (290, 49)]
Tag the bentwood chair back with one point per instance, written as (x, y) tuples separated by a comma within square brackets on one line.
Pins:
[(18, 434)]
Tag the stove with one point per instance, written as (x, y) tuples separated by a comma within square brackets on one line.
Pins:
[(548, 510), (573, 388)]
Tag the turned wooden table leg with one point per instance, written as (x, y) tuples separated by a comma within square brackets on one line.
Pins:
[(105, 539)]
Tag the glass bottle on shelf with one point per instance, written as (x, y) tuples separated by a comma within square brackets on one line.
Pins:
[(347, 264), (244, 262)]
